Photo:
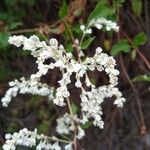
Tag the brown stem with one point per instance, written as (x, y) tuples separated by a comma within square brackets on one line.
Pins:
[(143, 58), (37, 29), (73, 40), (143, 126), (75, 140), (24, 31)]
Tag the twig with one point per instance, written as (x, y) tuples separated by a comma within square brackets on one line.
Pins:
[(143, 127), (24, 31), (69, 106), (147, 21), (37, 29), (73, 40)]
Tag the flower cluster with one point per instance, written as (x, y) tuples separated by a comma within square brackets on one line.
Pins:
[(66, 125), (29, 139), (31, 86), (91, 99), (99, 23), (24, 138)]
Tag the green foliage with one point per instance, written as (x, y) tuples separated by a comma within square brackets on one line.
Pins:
[(14, 25), (1, 148), (76, 29), (43, 127), (3, 16), (137, 7), (69, 47), (10, 2), (30, 2), (63, 10), (34, 101), (140, 39), (87, 42), (118, 3), (102, 9), (87, 125), (3, 39), (120, 46), (142, 78), (74, 108), (12, 127), (15, 10)]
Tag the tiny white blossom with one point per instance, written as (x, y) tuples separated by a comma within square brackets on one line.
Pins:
[(82, 27), (98, 50), (88, 31), (53, 42), (65, 124), (81, 133), (78, 83), (100, 22)]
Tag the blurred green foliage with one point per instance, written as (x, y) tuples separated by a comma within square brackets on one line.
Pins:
[(120, 46)]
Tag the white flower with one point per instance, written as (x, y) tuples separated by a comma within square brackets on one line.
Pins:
[(69, 146), (65, 124), (16, 40), (29, 139), (23, 137), (76, 67), (100, 22), (81, 133), (53, 42), (98, 50), (119, 101), (78, 83), (98, 26), (82, 27), (88, 31), (32, 86)]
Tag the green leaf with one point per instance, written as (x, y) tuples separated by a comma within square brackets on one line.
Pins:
[(43, 127), (10, 2), (142, 78), (118, 3), (69, 47), (140, 39), (121, 46), (76, 29), (30, 2), (14, 25), (12, 127), (137, 7), (87, 42), (3, 16), (102, 9), (63, 10), (3, 39), (74, 108), (86, 125)]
